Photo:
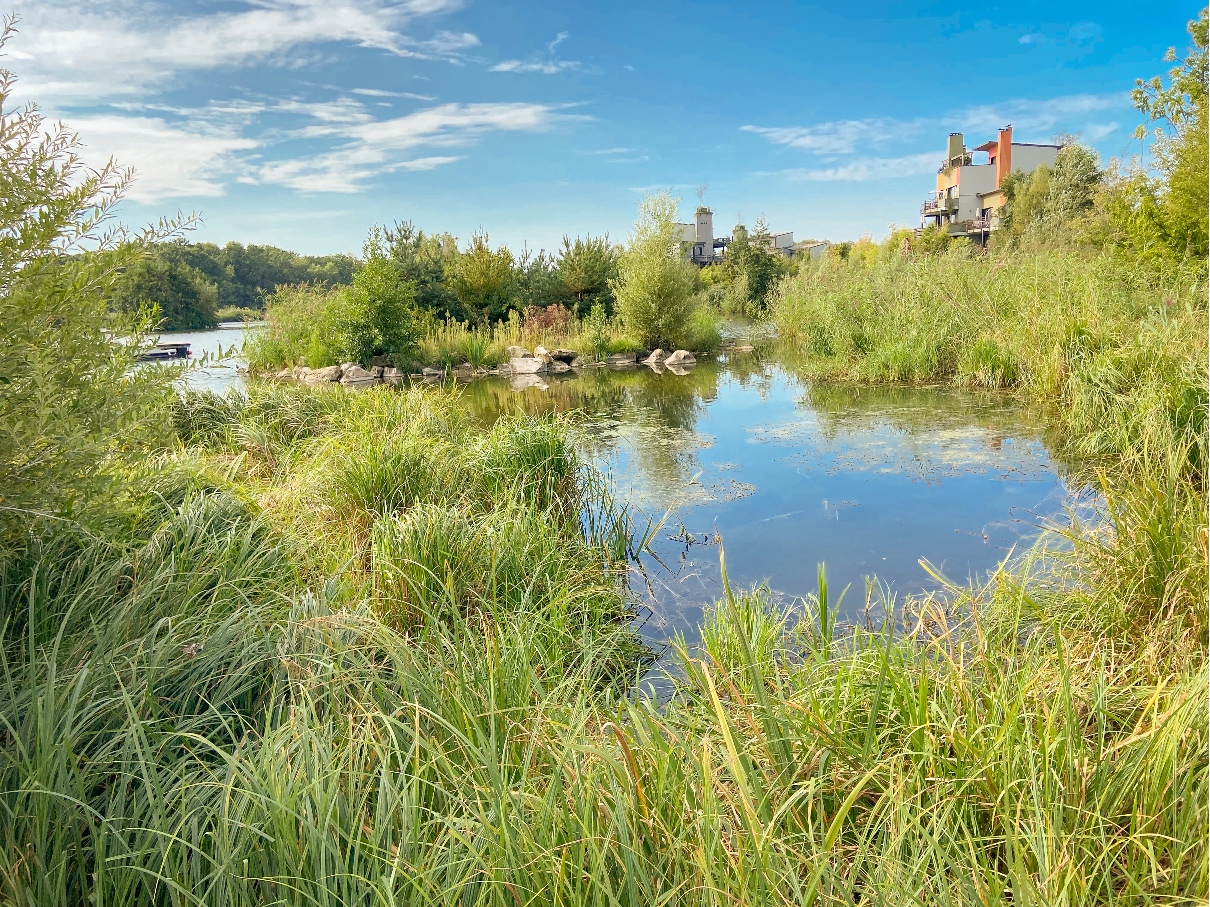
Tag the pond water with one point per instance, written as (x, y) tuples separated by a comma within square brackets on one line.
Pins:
[(216, 358), (785, 474)]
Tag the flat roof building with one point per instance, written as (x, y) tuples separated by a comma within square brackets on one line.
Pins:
[(969, 195)]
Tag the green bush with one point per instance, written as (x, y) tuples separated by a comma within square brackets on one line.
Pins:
[(318, 326), (655, 283)]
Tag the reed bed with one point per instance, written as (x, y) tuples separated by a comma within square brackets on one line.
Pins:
[(355, 649)]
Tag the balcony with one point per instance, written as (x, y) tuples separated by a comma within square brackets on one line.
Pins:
[(939, 205)]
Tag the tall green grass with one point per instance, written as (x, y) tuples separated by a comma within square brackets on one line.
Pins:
[(1118, 347), (355, 648)]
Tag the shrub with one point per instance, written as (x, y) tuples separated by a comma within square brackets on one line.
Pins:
[(318, 326), (655, 284)]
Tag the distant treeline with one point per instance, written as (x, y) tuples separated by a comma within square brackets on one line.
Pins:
[(196, 285)]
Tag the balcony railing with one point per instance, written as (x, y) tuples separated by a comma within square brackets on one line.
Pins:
[(940, 205)]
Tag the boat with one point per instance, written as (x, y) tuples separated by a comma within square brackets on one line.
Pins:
[(166, 352)]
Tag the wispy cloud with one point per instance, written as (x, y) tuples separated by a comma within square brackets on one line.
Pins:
[(1032, 38), (833, 138), (383, 93), (369, 149), (550, 66), (74, 51), (841, 149), (169, 160), (863, 169)]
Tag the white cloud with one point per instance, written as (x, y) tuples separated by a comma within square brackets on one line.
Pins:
[(382, 93), (865, 169), (384, 146), (833, 138), (77, 51), (1031, 38), (168, 160), (549, 67), (843, 146)]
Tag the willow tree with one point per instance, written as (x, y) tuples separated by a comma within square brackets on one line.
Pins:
[(655, 283), (72, 407)]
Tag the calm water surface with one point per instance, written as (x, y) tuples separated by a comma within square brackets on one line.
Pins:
[(786, 474)]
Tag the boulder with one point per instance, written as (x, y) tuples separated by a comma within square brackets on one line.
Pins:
[(285, 375), (319, 376), (540, 352), (527, 365), (580, 362), (680, 358), (657, 356), (378, 370), (432, 372), (517, 352), (355, 374), (568, 357), (556, 367), (621, 360), (392, 375)]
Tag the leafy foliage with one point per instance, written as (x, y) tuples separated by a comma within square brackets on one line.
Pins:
[(180, 296), (427, 261), (752, 268), (484, 280), (318, 326), (588, 267), (655, 283), (73, 409)]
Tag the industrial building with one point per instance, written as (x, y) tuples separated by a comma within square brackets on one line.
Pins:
[(969, 196), (705, 248)]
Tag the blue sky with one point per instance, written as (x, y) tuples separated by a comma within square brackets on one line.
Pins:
[(302, 122)]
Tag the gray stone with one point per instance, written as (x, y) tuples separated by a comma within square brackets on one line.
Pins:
[(517, 352), (657, 356), (565, 356), (355, 374), (540, 352), (680, 358), (527, 365), (285, 375), (392, 376), (378, 370), (432, 372), (326, 375), (556, 367)]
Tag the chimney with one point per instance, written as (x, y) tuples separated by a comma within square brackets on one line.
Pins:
[(954, 147), (1004, 154)]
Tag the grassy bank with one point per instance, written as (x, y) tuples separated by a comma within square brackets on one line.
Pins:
[(1117, 347), (354, 650)]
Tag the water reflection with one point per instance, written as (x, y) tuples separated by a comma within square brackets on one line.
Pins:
[(788, 473)]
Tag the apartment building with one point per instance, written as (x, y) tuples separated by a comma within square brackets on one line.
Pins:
[(969, 196)]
